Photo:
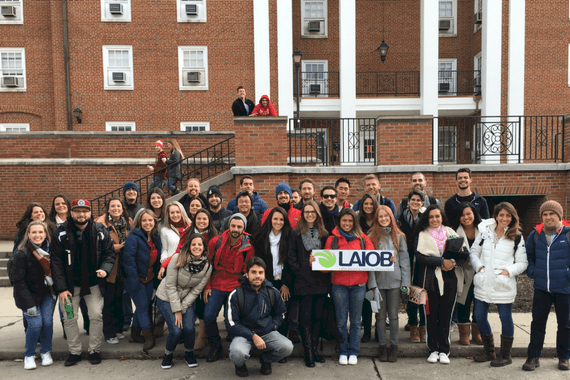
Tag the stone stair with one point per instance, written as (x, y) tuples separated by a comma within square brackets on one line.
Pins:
[(4, 257)]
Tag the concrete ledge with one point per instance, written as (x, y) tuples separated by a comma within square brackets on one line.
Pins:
[(112, 135), (92, 161), (404, 119), (284, 120)]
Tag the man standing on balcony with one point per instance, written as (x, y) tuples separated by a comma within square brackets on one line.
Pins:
[(419, 182), (307, 187), (372, 186), (242, 106), (464, 194), (342, 186), (215, 208), (247, 185)]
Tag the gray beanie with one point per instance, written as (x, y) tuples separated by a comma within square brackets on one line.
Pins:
[(240, 216)]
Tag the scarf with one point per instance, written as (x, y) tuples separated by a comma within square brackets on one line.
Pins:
[(120, 226), (197, 265), (311, 239), (348, 237), (439, 235), (43, 258), (409, 218), (552, 231), (274, 248), (179, 226)]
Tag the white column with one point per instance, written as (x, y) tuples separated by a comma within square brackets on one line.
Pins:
[(347, 68), (491, 48), (261, 48), (516, 70), (285, 57), (429, 56)]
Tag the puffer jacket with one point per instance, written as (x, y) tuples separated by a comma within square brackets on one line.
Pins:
[(259, 205), (180, 288), (549, 266), (136, 258), (494, 257), (401, 274), (28, 276)]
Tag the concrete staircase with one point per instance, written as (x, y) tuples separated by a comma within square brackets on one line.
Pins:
[(5, 252)]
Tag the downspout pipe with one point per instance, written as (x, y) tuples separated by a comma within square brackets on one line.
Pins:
[(66, 63)]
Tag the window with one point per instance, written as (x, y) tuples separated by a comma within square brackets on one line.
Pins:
[(11, 12), (447, 141), (314, 19), (195, 126), (13, 127), (193, 67), (120, 126), (191, 10), (478, 15), (115, 10), (447, 77), (447, 18), (315, 80), (12, 70), (477, 73), (118, 67)]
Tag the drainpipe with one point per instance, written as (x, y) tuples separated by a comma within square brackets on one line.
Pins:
[(66, 62)]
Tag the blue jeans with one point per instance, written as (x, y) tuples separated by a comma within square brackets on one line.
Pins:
[(156, 182), (142, 298), (211, 311), (481, 311), (127, 308), (348, 300), (277, 347), (174, 331), (40, 327), (541, 304), (171, 185)]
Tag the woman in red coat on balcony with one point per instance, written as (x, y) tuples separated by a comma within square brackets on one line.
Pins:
[(264, 108)]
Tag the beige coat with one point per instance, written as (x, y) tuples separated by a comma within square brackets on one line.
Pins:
[(467, 268)]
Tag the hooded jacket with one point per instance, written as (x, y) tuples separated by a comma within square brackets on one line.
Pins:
[(258, 205), (259, 110), (293, 215)]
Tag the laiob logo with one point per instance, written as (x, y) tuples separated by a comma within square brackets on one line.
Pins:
[(353, 260)]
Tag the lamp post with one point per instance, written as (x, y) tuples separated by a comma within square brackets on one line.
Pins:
[(297, 60)]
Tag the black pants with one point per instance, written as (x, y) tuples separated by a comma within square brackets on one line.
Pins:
[(438, 321), (311, 309), (113, 318), (464, 311), (367, 317)]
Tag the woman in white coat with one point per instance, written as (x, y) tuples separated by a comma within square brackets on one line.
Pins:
[(498, 255)]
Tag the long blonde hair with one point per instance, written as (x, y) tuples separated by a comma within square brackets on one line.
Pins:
[(26, 239), (176, 146), (377, 231)]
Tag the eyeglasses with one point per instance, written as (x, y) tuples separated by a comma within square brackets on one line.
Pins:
[(327, 196), (310, 212)]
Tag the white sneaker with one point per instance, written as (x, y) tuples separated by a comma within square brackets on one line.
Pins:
[(112, 340), (342, 360), (30, 362), (352, 360), (433, 357), (46, 359), (443, 358), (120, 336)]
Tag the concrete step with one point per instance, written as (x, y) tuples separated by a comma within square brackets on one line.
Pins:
[(4, 281)]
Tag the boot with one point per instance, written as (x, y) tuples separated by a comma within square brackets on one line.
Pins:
[(383, 353), (136, 336), (464, 330), (315, 343), (294, 336), (488, 353), (306, 338), (423, 334), (392, 355), (158, 329), (202, 339), (504, 357), (475, 334), (414, 334), (148, 339)]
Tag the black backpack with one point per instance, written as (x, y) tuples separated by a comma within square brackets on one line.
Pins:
[(335, 243), (241, 298)]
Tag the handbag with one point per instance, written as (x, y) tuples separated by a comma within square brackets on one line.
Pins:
[(418, 295)]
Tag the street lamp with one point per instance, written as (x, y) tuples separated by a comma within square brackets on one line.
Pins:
[(297, 60), (77, 113), (383, 50)]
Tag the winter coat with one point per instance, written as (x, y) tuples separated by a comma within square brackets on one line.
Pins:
[(349, 278), (401, 274), (174, 166), (258, 316), (239, 109), (118, 252), (293, 214), (218, 217), (136, 258), (307, 281), (490, 285), (187, 199), (330, 218), (549, 266), (408, 231), (180, 288), (170, 241), (259, 205), (467, 268), (262, 248), (28, 277), (253, 222), (133, 209), (453, 204), (259, 110)]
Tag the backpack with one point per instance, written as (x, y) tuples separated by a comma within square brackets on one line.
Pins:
[(335, 243), (241, 298), (567, 238)]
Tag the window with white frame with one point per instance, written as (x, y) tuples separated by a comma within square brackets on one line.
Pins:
[(120, 126), (14, 127), (478, 15), (191, 10), (11, 12), (477, 65), (118, 67), (195, 126), (115, 10), (315, 79), (448, 18), (314, 21), (447, 143), (447, 77), (193, 67), (12, 70)]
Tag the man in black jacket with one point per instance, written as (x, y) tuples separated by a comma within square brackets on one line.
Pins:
[(242, 106), (256, 310), (218, 213), (328, 207), (82, 255), (131, 193), (464, 194), (244, 204)]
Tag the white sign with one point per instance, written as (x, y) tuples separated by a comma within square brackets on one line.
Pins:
[(363, 260)]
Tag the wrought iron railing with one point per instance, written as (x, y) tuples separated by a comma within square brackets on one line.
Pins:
[(459, 82), (317, 84), (396, 83), (328, 142), (501, 139), (203, 165)]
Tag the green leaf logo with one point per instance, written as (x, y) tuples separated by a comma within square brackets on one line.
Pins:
[(327, 259)]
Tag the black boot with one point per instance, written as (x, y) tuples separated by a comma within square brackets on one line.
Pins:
[(315, 343), (488, 353), (136, 336), (504, 358), (306, 338)]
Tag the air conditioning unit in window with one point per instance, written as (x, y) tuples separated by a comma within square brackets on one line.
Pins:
[(116, 9), (194, 77), (314, 26), (478, 18), (191, 9), (10, 82), (9, 11), (444, 25), (444, 87), (314, 89), (119, 77), (477, 85)]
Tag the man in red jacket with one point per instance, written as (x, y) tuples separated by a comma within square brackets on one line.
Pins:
[(228, 253), (283, 194)]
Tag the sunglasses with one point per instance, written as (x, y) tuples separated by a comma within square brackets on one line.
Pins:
[(327, 196)]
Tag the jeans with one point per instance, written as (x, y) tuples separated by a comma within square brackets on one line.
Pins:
[(174, 331), (390, 303), (40, 327), (541, 304), (156, 182), (211, 311), (127, 309), (438, 321), (112, 311), (348, 302), (171, 185), (464, 311), (277, 347), (142, 298), (481, 311)]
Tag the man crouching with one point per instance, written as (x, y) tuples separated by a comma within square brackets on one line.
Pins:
[(255, 311)]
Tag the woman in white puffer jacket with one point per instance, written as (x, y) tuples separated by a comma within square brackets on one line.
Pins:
[(498, 255)]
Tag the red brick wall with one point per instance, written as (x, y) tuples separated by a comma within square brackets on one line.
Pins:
[(262, 142), (400, 141)]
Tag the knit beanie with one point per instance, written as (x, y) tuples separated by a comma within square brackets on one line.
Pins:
[(283, 187), (552, 206), (240, 216), (130, 185), (214, 190)]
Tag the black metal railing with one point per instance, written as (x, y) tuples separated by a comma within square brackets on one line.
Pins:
[(317, 84), (329, 142), (396, 83), (459, 82), (501, 139), (203, 165)]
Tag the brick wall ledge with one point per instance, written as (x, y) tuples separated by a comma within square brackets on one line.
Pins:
[(283, 120), (75, 161), (404, 119), (112, 135)]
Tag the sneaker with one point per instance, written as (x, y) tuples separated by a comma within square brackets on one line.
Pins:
[(112, 340), (265, 367), (242, 371), (433, 357), (120, 336), (443, 358), (563, 364), (30, 362), (72, 360), (190, 360), (531, 363), (352, 360), (167, 361), (95, 358), (46, 359), (214, 354), (342, 360)]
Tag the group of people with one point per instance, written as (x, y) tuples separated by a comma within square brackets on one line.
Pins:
[(245, 107), (181, 262)]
